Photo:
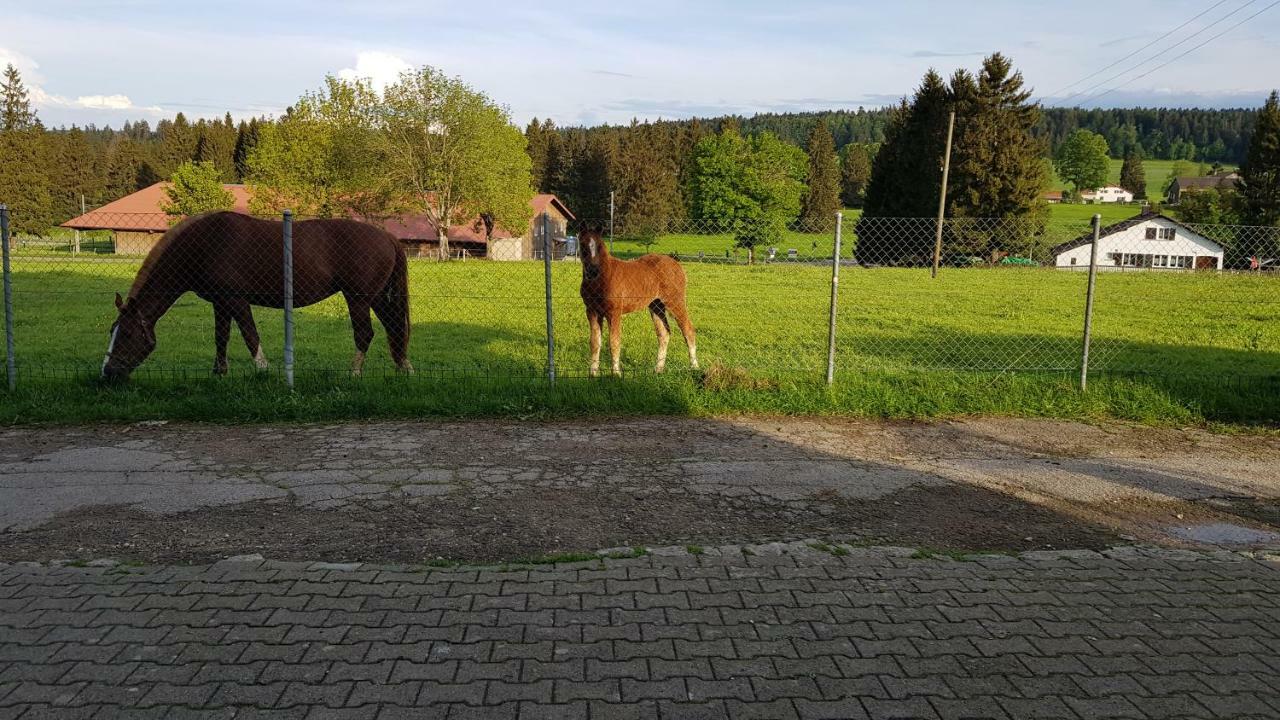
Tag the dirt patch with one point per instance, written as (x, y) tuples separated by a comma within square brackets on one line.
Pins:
[(540, 522)]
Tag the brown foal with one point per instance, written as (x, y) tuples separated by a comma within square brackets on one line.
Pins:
[(612, 288)]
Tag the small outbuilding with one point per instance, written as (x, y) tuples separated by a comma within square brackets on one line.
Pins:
[(136, 221), (1143, 242)]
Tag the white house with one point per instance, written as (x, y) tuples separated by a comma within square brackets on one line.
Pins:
[(1144, 242), (1108, 194)]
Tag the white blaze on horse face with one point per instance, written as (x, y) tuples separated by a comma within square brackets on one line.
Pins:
[(591, 248), (111, 346)]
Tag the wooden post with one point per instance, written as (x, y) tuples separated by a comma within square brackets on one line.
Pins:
[(942, 196)]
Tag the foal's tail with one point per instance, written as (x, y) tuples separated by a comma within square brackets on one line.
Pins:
[(392, 308)]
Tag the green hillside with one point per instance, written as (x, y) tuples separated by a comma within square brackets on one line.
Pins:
[(1157, 174)]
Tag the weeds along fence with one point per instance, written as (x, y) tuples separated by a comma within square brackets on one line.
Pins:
[(1009, 296)]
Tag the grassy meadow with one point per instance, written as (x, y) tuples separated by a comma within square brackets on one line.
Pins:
[(1157, 171), (1168, 348)]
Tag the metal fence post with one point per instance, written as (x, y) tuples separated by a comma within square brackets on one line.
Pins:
[(10, 367), (835, 291), (288, 298), (548, 250), (1088, 303)]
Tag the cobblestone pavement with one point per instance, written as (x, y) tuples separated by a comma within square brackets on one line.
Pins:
[(774, 631)]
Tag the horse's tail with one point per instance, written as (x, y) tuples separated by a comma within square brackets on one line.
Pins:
[(394, 310)]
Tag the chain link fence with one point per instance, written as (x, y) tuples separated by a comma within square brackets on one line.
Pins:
[(761, 300)]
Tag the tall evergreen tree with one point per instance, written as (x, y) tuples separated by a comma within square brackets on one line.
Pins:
[(1259, 184), (822, 201), (644, 180), (16, 113), (997, 169), (906, 178), (24, 182), (538, 136), (246, 141), (1133, 176), (855, 171)]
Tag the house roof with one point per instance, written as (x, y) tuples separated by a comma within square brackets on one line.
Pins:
[(1052, 195), (542, 201), (1114, 228), (141, 211), (1208, 181)]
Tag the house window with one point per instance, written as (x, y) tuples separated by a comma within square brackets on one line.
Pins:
[(1151, 233), (1167, 233), (1073, 261)]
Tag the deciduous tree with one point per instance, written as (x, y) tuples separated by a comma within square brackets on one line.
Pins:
[(1082, 160), (196, 188)]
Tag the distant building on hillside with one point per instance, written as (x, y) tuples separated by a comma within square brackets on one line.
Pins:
[(1053, 197), (1219, 181), (1108, 194)]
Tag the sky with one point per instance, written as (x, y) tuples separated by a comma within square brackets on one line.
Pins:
[(586, 63)]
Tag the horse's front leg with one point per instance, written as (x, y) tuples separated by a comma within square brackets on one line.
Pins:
[(361, 328), (249, 331), (221, 335), (615, 341), (593, 322)]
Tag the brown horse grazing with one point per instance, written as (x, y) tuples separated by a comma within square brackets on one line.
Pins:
[(612, 288), (235, 261)]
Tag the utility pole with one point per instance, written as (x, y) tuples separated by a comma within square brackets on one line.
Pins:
[(942, 196)]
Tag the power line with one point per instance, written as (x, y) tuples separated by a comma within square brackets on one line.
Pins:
[(1182, 55), (1135, 52), (1183, 41)]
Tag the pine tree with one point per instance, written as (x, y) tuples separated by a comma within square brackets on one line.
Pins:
[(538, 137), (644, 180), (17, 114), (1133, 177), (124, 169), (246, 141), (822, 201), (24, 182), (855, 171), (906, 178), (997, 167), (1259, 184)]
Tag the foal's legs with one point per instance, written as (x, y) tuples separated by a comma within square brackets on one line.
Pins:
[(678, 308), (243, 314), (593, 322), (660, 325), (361, 327), (221, 334), (615, 340)]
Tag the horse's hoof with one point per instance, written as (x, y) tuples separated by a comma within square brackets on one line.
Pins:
[(658, 369), (406, 368)]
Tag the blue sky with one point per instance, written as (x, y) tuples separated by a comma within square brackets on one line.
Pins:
[(107, 61)]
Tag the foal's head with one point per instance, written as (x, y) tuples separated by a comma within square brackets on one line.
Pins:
[(593, 250), (133, 337)]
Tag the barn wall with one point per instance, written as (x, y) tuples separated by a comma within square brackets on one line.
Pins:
[(132, 242)]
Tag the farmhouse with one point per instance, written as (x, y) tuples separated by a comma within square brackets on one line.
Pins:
[(1108, 194), (137, 221), (1144, 242), (1053, 197), (1220, 181)]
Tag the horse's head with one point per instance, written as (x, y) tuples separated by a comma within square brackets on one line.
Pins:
[(592, 250), (133, 337)]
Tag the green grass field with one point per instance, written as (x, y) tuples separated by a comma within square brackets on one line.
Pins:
[(1170, 348)]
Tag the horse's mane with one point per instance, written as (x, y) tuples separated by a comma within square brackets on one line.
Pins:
[(158, 252)]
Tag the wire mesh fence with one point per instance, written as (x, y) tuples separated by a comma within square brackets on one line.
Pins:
[(207, 295)]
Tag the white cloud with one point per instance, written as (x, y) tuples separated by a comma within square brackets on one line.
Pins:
[(42, 99), (379, 68), (105, 102)]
